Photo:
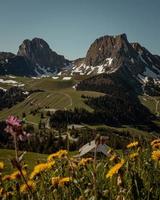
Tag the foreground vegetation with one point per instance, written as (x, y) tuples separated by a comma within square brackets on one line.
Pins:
[(133, 174)]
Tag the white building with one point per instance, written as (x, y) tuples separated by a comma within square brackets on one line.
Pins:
[(97, 145)]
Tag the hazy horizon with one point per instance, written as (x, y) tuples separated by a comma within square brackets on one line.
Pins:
[(70, 26)]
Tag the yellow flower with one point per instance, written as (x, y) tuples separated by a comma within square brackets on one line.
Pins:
[(133, 144), (17, 175), (6, 177), (14, 175), (133, 155), (55, 181), (2, 192), (112, 157), (155, 141), (31, 185), (41, 168), (59, 154), (85, 161), (50, 164), (64, 181), (58, 181), (38, 169), (1, 165), (156, 145), (115, 169), (73, 163), (156, 155), (25, 166)]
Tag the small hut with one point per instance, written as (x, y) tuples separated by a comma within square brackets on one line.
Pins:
[(98, 145)]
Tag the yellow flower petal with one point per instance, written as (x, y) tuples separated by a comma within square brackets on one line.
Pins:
[(156, 155), (132, 144), (85, 161), (64, 181), (115, 169), (133, 155), (61, 153), (155, 141), (31, 185), (1, 165), (41, 168)]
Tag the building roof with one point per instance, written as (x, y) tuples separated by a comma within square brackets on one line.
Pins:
[(92, 146)]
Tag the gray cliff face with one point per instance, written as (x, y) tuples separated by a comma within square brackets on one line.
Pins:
[(112, 54), (116, 48), (34, 58), (40, 55)]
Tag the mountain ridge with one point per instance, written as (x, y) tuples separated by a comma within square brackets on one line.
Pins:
[(107, 54), (34, 56)]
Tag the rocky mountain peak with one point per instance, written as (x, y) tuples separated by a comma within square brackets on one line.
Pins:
[(34, 58), (108, 47), (41, 56), (131, 62), (107, 54), (36, 50)]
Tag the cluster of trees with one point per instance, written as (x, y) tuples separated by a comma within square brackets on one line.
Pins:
[(48, 141), (42, 140), (114, 112), (111, 84), (14, 95), (11, 97), (122, 109)]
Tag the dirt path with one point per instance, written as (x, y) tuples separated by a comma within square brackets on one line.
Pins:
[(71, 102), (33, 123)]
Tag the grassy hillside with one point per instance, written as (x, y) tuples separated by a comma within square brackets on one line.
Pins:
[(134, 132), (30, 159), (58, 94)]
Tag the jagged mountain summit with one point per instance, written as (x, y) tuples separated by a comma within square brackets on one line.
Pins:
[(110, 54), (34, 58), (44, 60)]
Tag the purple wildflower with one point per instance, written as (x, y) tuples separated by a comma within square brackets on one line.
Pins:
[(13, 121)]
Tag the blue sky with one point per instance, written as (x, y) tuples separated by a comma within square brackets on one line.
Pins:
[(70, 26)]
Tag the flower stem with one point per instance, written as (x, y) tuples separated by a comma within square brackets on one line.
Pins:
[(94, 173), (15, 146)]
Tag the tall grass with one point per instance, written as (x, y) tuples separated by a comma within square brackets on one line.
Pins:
[(133, 174)]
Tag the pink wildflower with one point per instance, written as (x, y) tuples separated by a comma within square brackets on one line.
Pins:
[(13, 121), (14, 127)]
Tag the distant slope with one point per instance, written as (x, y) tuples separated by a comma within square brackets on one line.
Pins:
[(55, 94)]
